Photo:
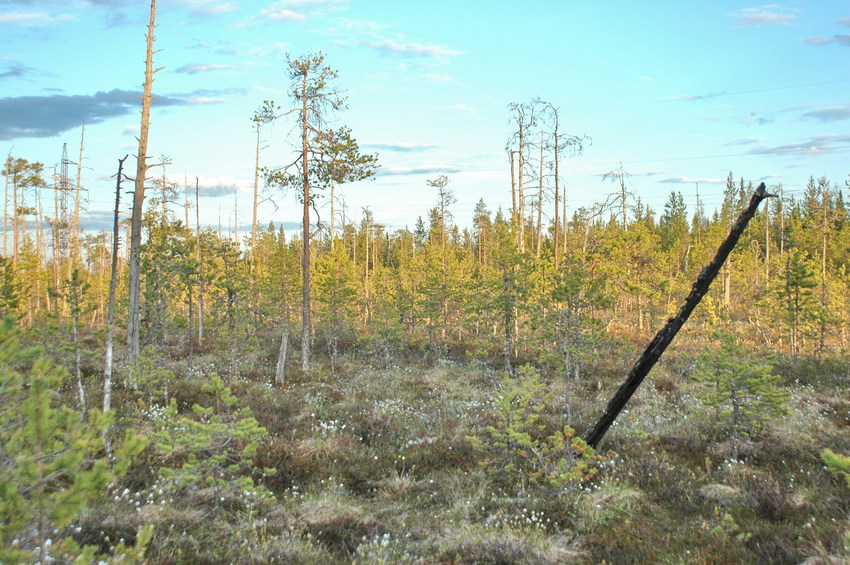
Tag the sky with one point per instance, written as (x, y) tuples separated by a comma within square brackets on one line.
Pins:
[(679, 93)]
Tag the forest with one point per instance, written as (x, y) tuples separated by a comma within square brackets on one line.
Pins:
[(174, 393)]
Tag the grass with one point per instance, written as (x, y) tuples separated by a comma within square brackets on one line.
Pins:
[(374, 466)]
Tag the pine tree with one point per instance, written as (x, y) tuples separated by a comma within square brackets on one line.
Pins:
[(52, 460), (336, 292), (744, 391)]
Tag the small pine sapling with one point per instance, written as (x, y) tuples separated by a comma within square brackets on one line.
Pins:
[(745, 392), (52, 463), (516, 445)]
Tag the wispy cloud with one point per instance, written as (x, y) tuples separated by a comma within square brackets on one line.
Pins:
[(410, 49), (694, 97), (744, 141), (401, 147), (817, 145), (439, 78), (209, 7), (839, 39), (15, 70), (297, 11), (418, 170), (692, 180), (205, 67), (32, 18), (769, 14), (829, 114)]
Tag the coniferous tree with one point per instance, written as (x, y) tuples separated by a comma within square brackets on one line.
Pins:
[(52, 462), (743, 391)]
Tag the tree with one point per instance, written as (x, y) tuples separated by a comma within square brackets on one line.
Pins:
[(324, 157), (799, 280), (24, 176), (744, 391), (336, 289), (619, 176), (142, 167), (51, 463), (265, 114), (574, 295), (344, 163)]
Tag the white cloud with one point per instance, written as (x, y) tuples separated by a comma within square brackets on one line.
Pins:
[(769, 14), (205, 67), (691, 180), (297, 11), (839, 39), (411, 49), (32, 18), (817, 145), (745, 141)]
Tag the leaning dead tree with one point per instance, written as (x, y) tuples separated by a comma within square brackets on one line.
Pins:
[(664, 337)]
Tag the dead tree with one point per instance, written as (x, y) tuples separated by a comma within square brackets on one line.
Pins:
[(664, 337), (139, 196)]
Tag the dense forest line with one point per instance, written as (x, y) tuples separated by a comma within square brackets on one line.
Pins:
[(505, 287)]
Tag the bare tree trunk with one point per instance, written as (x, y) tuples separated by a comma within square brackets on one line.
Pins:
[(306, 321), (139, 196), (557, 226), (256, 198), (14, 221), (665, 336), (521, 189), (110, 310), (767, 244), (513, 190), (199, 259), (540, 201), (333, 215), (6, 206), (280, 371)]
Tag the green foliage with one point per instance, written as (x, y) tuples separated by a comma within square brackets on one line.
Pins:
[(214, 448), (515, 445), (837, 464), (52, 459), (150, 378), (744, 391), (10, 289)]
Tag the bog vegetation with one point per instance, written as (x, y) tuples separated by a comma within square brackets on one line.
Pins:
[(434, 411)]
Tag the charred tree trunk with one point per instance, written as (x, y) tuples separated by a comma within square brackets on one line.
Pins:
[(664, 337)]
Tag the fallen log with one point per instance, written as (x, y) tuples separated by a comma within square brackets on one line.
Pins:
[(665, 336)]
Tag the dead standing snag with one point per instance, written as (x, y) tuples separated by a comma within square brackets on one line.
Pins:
[(665, 336)]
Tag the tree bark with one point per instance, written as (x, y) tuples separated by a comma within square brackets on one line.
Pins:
[(113, 284), (139, 196), (199, 259), (664, 337), (306, 321), (280, 372)]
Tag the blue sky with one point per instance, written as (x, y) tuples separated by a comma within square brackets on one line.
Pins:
[(678, 92)]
